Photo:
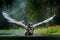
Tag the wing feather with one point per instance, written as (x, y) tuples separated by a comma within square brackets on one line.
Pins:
[(11, 20), (45, 21)]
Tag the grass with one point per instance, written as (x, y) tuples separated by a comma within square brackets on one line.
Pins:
[(12, 31), (49, 30)]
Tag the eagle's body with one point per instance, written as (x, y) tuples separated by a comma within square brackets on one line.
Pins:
[(29, 30)]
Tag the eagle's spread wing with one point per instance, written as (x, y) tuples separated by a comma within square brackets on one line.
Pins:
[(11, 20), (45, 21)]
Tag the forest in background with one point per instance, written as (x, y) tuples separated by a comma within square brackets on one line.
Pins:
[(33, 11)]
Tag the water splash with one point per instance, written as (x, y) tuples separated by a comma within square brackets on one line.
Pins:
[(19, 5)]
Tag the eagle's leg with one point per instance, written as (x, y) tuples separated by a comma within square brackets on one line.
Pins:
[(28, 34)]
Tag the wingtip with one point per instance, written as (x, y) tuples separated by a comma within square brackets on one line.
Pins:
[(4, 14), (54, 15)]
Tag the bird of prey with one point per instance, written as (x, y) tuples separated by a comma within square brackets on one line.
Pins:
[(28, 28)]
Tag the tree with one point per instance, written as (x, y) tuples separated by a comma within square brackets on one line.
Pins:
[(57, 12)]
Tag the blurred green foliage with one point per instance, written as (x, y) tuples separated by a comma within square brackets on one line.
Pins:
[(35, 10)]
